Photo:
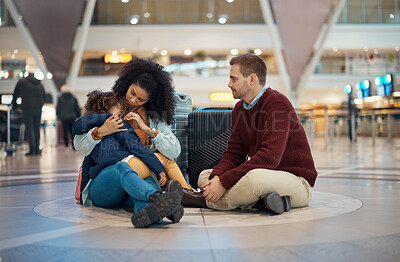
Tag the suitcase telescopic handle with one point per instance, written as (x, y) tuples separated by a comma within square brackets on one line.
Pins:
[(217, 108)]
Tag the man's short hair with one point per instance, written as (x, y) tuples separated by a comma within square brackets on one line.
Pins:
[(250, 63)]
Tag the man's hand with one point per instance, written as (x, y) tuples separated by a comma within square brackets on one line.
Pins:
[(163, 178), (213, 190), (112, 125)]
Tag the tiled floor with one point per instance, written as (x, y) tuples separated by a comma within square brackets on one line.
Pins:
[(354, 216)]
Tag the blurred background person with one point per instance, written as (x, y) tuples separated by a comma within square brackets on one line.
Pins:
[(67, 111), (32, 95)]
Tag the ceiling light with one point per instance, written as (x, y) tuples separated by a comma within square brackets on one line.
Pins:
[(124, 1), (38, 75), (146, 15), (397, 48), (391, 16), (365, 49), (230, 1), (209, 15), (376, 51), (335, 49), (234, 51), (164, 52), (223, 19), (187, 52), (114, 52), (257, 51), (134, 20), (155, 50)]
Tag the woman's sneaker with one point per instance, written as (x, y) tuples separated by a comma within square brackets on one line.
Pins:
[(163, 205)]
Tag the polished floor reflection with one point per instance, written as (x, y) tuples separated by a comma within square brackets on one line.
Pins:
[(354, 215)]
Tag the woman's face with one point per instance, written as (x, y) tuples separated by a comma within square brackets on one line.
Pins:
[(136, 97)]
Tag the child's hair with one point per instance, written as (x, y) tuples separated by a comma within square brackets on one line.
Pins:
[(101, 102)]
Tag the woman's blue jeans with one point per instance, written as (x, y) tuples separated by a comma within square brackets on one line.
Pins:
[(113, 183)]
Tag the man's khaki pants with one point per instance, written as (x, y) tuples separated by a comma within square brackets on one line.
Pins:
[(258, 183)]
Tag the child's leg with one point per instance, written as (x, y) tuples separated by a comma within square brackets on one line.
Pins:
[(172, 170), (140, 168)]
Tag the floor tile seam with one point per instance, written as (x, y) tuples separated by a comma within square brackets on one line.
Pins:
[(39, 174), (381, 168), (35, 182), (360, 174), (348, 244), (16, 207), (47, 235), (32, 167), (213, 255), (27, 178), (336, 170), (359, 178), (356, 245)]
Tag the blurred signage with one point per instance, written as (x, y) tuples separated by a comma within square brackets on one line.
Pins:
[(221, 96), (117, 58), (13, 64)]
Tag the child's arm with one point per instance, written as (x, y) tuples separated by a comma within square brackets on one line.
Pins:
[(107, 123)]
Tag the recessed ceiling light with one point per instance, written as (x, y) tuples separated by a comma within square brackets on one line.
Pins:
[(234, 51)]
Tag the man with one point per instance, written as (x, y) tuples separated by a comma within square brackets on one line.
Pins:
[(32, 94), (280, 170)]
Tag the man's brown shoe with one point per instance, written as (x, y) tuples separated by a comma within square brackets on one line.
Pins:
[(192, 199)]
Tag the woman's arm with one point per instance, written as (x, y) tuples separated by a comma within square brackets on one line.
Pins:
[(165, 142), (85, 143)]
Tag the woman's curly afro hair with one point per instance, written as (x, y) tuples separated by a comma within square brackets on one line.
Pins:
[(155, 80)]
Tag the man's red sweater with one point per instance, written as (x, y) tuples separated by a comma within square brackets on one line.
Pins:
[(271, 134)]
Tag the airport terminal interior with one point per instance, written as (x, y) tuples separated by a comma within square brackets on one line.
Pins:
[(342, 77)]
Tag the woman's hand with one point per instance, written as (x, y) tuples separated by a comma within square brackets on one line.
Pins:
[(163, 178), (112, 125), (138, 121)]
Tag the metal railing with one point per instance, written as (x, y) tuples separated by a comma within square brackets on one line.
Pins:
[(368, 122)]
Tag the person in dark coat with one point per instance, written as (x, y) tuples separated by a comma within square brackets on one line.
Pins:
[(32, 94), (68, 111)]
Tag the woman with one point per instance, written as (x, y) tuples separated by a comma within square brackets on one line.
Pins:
[(148, 91)]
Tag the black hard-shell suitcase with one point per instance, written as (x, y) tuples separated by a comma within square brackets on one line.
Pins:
[(208, 134), (179, 127)]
